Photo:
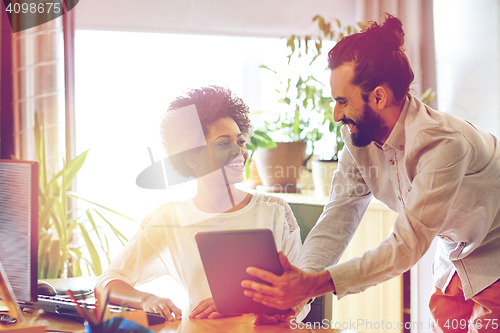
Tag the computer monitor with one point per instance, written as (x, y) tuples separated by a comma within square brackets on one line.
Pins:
[(19, 226)]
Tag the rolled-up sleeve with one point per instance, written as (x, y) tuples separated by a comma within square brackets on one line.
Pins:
[(348, 201), (438, 168)]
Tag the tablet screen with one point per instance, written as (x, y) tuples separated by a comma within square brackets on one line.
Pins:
[(226, 255)]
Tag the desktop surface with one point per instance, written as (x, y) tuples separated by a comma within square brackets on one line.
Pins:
[(240, 324)]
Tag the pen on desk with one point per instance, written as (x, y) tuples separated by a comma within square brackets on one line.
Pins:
[(79, 308), (90, 312), (116, 319), (123, 310), (36, 316), (102, 303)]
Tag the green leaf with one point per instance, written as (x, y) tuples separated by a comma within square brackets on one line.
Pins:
[(313, 59), (43, 219), (428, 96), (94, 256), (76, 256), (71, 228), (106, 248), (319, 45), (296, 124), (269, 69), (284, 100), (53, 260), (253, 144), (327, 29), (43, 250), (306, 43), (74, 195), (64, 211), (117, 233), (263, 140), (247, 166), (73, 167), (95, 228), (70, 170), (56, 218), (291, 43)]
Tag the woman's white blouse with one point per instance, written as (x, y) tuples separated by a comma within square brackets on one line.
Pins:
[(165, 245)]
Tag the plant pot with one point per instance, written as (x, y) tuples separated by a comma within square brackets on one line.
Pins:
[(279, 168), (254, 179), (322, 172)]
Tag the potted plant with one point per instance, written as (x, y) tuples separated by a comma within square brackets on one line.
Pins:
[(69, 245), (309, 113), (262, 140)]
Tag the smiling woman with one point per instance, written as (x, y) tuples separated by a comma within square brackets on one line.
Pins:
[(206, 130), (124, 83)]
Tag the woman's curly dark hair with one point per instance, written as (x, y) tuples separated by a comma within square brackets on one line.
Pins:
[(212, 103)]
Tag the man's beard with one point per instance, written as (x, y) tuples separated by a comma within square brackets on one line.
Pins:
[(369, 128)]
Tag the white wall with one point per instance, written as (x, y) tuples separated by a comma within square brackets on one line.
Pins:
[(467, 36), (468, 60), (263, 18)]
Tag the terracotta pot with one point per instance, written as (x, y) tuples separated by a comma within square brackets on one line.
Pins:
[(254, 179), (279, 168)]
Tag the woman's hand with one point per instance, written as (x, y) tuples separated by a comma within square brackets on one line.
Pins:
[(206, 309), (163, 306)]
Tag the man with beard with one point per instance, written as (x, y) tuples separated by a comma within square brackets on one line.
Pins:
[(438, 172)]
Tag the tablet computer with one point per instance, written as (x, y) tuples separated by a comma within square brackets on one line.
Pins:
[(226, 255)]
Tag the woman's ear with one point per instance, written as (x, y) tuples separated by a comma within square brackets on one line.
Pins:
[(191, 161)]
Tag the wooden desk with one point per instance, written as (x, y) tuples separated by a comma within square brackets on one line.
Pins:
[(240, 324)]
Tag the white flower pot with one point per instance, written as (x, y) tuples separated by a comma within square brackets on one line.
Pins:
[(322, 172)]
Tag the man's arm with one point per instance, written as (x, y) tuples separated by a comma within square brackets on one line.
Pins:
[(325, 244), (437, 165), (349, 199)]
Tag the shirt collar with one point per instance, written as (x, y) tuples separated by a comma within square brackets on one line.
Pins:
[(396, 139)]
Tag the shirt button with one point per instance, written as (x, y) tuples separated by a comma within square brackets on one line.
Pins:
[(402, 147), (391, 162)]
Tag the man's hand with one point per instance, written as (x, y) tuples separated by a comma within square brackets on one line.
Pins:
[(163, 306), (206, 309), (290, 289), (265, 319)]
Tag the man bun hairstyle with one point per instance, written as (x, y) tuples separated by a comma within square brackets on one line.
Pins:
[(378, 56)]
